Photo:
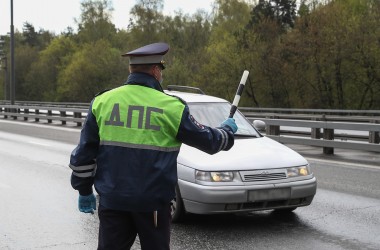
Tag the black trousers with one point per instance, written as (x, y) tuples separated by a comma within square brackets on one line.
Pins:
[(118, 229)]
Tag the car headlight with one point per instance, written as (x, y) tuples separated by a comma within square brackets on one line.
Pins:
[(298, 171), (214, 176)]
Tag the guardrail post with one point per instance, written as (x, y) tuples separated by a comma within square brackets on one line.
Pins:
[(15, 111), (328, 134), (316, 132), (78, 115), (5, 110), (273, 129), (50, 113), (374, 135), (26, 111), (37, 112), (63, 114)]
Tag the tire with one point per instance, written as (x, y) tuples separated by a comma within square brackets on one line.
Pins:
[(177, 207)]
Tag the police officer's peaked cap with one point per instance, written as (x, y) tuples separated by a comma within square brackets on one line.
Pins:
[(149, 54)]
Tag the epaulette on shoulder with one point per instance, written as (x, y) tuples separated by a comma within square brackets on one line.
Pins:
[(179, 98), (101, 92)]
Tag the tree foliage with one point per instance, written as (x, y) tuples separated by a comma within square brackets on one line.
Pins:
[(95, 21), (42, 79), (283, 12), (92, 69), (325, 54)]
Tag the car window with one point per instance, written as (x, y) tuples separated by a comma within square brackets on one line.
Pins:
[(213, 114)]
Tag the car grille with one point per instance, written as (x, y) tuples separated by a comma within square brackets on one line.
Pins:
[(277, 204), (263, 175), (266, 205)]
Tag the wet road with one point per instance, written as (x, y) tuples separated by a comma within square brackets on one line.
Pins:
[(38, 208)]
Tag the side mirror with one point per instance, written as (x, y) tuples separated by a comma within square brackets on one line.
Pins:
[(259, 125)]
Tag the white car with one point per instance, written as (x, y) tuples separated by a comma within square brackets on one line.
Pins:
[(257, 173)]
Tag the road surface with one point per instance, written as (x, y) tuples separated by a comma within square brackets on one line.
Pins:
[(38, 208)]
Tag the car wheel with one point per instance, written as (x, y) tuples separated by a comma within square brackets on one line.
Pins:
[(177, 207)]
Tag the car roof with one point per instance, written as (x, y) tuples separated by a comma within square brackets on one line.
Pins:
[(194, 97)]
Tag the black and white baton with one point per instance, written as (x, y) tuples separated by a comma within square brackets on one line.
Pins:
[(238, 93)]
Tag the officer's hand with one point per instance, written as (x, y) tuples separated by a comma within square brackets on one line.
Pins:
[(87, 203), (230, 122)]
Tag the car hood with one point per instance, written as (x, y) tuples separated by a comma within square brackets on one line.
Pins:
[(246, 154)]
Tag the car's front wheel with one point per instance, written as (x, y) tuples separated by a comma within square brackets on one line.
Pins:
[(177, 207)]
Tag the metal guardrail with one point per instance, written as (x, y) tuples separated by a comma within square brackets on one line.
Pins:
[(329, 130), (324, 134), (45, 113), (310, 111)]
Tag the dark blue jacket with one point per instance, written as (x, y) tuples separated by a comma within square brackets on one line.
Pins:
[(134, 179)]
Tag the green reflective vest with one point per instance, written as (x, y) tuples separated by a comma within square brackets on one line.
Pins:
[(138, 117)]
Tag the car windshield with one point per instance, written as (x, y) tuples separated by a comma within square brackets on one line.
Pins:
[(213, 114)]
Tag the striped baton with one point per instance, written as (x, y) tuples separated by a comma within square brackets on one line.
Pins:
[(238, 93)]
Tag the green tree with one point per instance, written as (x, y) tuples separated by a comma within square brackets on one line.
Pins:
[(92, 69), (24, 56), (30, 35), (222, 66), (146, 23), (41, 81), (331, 56), (95, 21), (4, 65), (260, 44), (188, 36), (281, 11), (327, 57), (32, 38), (363, 62)]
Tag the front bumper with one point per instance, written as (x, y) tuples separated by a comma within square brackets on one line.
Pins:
[(201, 199)]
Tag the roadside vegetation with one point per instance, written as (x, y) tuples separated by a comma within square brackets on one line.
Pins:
[(300, 54)]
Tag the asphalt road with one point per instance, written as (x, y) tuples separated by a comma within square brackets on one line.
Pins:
[(38, 208)]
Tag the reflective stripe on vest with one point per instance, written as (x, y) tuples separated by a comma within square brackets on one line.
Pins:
[(138, 117)]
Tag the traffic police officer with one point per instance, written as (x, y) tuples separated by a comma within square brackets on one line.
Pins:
[(128, 150)]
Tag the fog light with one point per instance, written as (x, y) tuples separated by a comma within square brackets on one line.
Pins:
[(232, 207)]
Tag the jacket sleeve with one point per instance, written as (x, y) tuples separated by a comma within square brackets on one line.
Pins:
[(207, 139), (83, 157)]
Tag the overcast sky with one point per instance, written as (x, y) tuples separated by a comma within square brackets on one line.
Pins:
[(57, 15)]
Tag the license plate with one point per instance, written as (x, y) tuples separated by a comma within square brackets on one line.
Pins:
[(269, 194)]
